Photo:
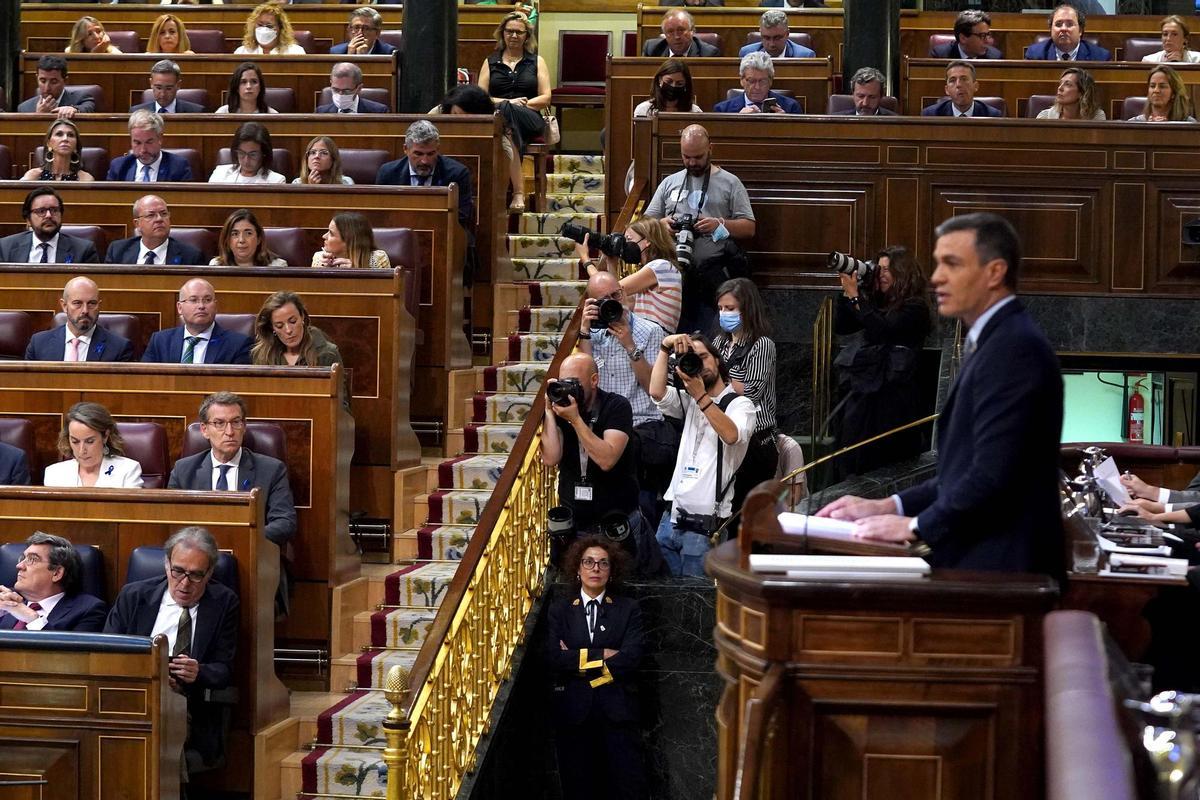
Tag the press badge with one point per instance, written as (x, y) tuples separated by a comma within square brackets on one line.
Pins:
[(690, 473), (583, 492)]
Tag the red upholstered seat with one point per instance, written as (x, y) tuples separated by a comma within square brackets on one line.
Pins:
[(5, 163), (1136, 47), (629, 47), (710, 38), (309, 42), (265, 438), (199, 96), (93, 233), (146, 443), (583, 58), (96, 92), (1037, 104), (16, 329), (839, 103), (126, 40), (399, 244), (281, 160), (293, 245), (193, 158), (202, 239), (798, 37), (1132, 107), (325, 97), (394, 38), (95, 160), (362, 164), (127, 326), (940, 40), (18, 432), (239, 323), (207, 40)]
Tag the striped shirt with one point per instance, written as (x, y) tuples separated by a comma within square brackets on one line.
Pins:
[(661, 304), (755, 368)]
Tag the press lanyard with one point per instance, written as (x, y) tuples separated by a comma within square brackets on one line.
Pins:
[(703, 191)]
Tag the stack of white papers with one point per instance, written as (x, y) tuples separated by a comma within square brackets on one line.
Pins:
[(841, 567), (1109, 478), (802, 524), (1109, 546), (1147, 566)]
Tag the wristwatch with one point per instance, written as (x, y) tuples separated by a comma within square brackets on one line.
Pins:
[(636, 354)]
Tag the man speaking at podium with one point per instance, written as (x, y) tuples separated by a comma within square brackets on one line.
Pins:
[(994, 503)]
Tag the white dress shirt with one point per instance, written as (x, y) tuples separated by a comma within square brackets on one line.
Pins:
[(115, 472), (85, 341), (160, 252), (583, 597), (35, 250), (167, 622), (154, 167), (43, 612), (232, 476)]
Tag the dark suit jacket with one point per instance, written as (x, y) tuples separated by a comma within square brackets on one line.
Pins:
[(14, 466), (942, 108), (1046, 51), (83, 103), (879, 112), (445, 172), (51, 345), (254, 471), (657, 48), (380, 48), (214, 645), (125, 251), (365, 106), (225, 347), (181, 107), (71, 249), (736, 103), (172, 168), (618, 627), (951, 50), (994, 501), (81, 613)]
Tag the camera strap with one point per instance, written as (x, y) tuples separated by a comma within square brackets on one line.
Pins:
[(722, 404), (687, 184)]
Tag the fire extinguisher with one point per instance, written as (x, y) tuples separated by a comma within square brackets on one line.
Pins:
[(1137, 414)]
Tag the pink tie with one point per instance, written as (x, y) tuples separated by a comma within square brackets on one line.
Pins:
[(22, 624), (73, 352)]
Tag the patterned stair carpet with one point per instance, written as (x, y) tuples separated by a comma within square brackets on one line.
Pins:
[(348, 755)]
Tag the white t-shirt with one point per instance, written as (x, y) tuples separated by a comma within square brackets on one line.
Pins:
[(642, 109), (229, 173), (694, 482), (225, 110)]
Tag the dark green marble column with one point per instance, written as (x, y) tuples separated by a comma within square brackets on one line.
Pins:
[(430, 54), (10, 50), (872, 39)]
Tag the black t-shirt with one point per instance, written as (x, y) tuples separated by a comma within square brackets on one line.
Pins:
[(614, 490)]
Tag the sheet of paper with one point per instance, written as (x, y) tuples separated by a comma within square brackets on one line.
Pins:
[(1109, 546), (1109, 478), (800, 524), (879, 565)]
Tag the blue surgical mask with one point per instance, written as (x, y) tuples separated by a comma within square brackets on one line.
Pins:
[(730, 320)]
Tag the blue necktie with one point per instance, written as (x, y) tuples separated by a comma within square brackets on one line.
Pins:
[(146, 173), (223, 478)]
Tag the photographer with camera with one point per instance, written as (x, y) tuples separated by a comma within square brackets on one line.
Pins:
[(586, 435), (717, 426), (887, 301), (706, 210)]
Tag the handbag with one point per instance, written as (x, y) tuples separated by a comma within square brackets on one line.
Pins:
[(551, 135)]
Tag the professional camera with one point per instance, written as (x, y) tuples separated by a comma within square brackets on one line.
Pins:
[(613, 244), (696, 523), (562, 390), (689, 364), (608, 312), (863, 271), (685, 234)]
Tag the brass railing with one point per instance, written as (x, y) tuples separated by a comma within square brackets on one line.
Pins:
[(822, 373)]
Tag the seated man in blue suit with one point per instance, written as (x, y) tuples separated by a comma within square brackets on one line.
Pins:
[(14, 466), (362, 34), (960, 101), (678, 39), (81, 338), (146, 161), (44, 242), (773, 28), (199, 617), (165, 79), (199, 340), (46, 596), (53, 95), (423, 165), (972, 37), (994, 502), (153, 244), (345, 82), (757, 73), (1066, 39), (867, 90)]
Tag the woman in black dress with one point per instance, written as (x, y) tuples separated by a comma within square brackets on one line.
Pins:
[(880, 375), (594, 645), (61, 155), (518, 81)]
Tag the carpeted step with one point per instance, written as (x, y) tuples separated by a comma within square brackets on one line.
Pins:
[(576, 203), (557, 293), (574, 183), (510, 407), (521, 245), (573, 163), (373, 665), (354, 720), (519, 377), (550, 224), (478, 473), (543, 319), (401, 627), (490, 438), (446, 542), (533, 347), (421, 584), (339, 771), (456, 506), (557, 270)]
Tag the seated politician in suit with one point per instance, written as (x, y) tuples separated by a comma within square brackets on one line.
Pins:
[(345, 84), (594, 647), (424, 165), (199, 340), (678, 39), (46, 596), (14, 466), (146, 161), (362, 35), (867, 90), (994, 502), (44, 242), (791, 4), (757, 73), (94, 451), (199, 617), (972, 38), (774, 41), (165, 80), (153, 244), (81, 338), (1066, 39), (53, 95), (960, 101)]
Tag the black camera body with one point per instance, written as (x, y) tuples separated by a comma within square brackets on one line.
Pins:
[(685, 236), (613, 244), (562, 390), (608, 312), (688, 363), (862, 271), (705, 524)]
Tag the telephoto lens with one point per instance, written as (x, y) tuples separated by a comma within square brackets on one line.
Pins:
[(848, 265), (609, 312), (689, 364)]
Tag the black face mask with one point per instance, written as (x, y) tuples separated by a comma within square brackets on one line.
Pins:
[(672, 92)]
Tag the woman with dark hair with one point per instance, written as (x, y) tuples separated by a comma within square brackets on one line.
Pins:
[(671, 90), (247, 92), (879, 375), (1075, 97), (323, 164), (243, 243), (466, 98), (350, 243), (62, 152), (657, 287), (594, 646), (1167, 99), (95, 453), (251, 152), (285, 336), (745, 344)]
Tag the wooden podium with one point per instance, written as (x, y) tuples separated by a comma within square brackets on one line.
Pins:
[(882, 690)]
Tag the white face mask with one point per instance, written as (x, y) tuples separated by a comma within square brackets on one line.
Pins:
[(343, 101), (265, 34)]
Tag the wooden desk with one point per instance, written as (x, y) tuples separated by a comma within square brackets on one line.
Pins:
[(91, 715), (1103, 214), (629, 81), (122, 75)]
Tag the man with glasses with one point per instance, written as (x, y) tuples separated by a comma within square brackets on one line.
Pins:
[(345, 84), (153, 244), (199, 618), (362, 34), (146, 161), (165, 79), (757, 73), (46, 594), (775, 40), (972, 38), (81, 337), (44, 242), (199, 340)]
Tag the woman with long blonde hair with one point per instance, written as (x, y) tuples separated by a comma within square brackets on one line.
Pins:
[(88, 36), (269, 32), (168, 36)]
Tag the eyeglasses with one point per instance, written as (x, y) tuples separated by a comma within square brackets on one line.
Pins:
[(361, 28), (219, 424), (321, 153), (591, 563), (30, 558), (984, 35), (193, 576), (514, 32), (156, 215), (344, 92), (248, 155), (207, 300), (757, 81), (45, 212)]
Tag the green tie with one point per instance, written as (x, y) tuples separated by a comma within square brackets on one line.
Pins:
[(189, 350), (183, 635)]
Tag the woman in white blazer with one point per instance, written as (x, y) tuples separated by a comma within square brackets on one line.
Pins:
[(94, 451)]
